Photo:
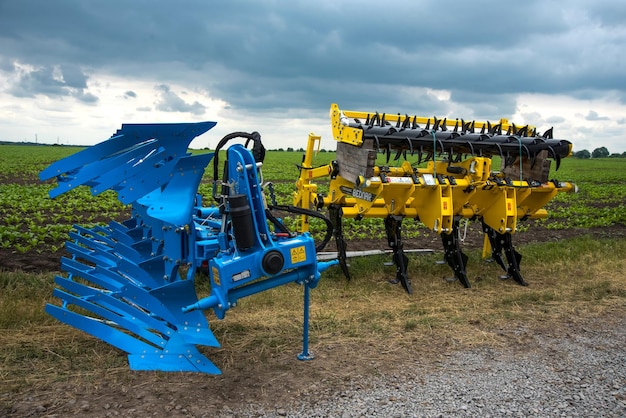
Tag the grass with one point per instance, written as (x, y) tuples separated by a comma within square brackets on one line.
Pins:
[(569, 281), (576, 278)]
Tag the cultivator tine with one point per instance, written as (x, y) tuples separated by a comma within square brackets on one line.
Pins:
[(393, 228), (453, 255), (503, 243)]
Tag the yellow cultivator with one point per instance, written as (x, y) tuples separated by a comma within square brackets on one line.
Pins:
[(457, 181)]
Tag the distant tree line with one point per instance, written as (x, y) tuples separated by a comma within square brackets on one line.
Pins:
[(601, 152)]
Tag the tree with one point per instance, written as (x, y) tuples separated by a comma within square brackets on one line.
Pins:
[(600, 152), (582, 154)]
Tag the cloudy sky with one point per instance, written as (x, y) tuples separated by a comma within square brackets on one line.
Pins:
[(73, 71)]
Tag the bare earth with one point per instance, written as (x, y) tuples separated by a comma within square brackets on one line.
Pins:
[(274, 384)]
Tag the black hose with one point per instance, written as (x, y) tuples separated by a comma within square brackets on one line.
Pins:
[(302, 211)]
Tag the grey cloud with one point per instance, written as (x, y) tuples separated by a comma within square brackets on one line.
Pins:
[(555, 119), (593, 115), (130, 94), (53, 82), (171, 102), (263, 56)]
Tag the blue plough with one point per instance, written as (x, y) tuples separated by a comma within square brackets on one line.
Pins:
[(131, 284)]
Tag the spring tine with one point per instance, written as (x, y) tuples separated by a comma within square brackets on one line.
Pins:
[(398, 154), (500, 150), (410, 146), (388, 152), (471, 147), (377, 143)]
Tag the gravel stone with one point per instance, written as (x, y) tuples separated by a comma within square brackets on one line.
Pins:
[(571, 376)]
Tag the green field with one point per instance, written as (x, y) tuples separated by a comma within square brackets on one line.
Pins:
[(570, 279), (32, 222)]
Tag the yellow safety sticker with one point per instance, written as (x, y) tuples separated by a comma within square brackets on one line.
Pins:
[(298, 255)]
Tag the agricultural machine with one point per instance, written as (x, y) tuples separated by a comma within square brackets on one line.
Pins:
[(457, 181), (131, 284)]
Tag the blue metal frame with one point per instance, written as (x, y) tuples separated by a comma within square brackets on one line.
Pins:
[(131, 284)]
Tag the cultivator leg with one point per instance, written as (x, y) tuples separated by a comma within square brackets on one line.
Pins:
[(393, 227), (503, 243), (453, 255), (334, 213)]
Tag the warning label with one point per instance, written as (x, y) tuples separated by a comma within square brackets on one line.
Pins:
[(298, 255)]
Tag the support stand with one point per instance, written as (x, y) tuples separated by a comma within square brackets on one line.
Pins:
[(306, 354)]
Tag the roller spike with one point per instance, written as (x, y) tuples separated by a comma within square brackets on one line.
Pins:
[(472, 126), (414, 125), (523, 131), (456, 126), (436, 124), (367, 119), (427, 124), (549, 133), (444, 126), (383, 122), (406, 122), (398, 122)]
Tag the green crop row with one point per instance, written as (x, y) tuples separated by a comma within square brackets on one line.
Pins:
[(30, 220)]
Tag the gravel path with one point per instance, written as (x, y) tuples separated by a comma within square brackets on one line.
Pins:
[(576, 375)]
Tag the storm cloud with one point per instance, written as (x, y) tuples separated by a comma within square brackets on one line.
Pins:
[(450, 58)]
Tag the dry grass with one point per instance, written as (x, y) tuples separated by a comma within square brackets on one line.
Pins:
[(569, 281)]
